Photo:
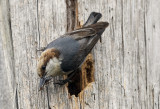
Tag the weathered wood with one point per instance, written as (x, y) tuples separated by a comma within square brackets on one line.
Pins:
[(7, 74), (126, 61)]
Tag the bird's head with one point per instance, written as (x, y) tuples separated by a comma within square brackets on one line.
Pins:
[(48, 65)]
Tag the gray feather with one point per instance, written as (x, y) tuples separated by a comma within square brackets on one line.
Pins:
[(68, 48), (93, 18), (76, 45)]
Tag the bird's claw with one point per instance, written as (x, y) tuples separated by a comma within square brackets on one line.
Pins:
[(41, 49), (62, 82)]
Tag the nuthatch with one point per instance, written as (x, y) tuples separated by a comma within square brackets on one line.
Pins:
[(66, 54)]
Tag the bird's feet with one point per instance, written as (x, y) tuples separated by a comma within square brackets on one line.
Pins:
[(63, 82), (69, 79), (41, 49)]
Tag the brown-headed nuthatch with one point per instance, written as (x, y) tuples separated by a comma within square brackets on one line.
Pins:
[(66, 54)]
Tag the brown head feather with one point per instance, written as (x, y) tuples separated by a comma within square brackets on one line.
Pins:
[(44, 58)]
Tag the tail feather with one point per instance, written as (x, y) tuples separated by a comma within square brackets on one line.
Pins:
[(93, 18), (98, 27)]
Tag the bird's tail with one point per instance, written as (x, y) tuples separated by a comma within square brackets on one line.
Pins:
[(93, 18)]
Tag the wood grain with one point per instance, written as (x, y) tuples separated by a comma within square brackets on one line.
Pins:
[(7, 74), (127, 72)]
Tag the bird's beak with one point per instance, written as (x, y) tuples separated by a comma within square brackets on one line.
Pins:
[(43, 80)]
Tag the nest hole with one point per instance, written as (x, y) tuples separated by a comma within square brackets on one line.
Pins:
[(83, 77)]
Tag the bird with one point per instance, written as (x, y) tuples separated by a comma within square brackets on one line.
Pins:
[(66, 54)]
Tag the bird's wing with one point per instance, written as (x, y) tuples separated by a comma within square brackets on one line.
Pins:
[(87, 31), (80, 33), (76, 45)]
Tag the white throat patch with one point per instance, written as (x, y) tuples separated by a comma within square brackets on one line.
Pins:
[(53, 67)]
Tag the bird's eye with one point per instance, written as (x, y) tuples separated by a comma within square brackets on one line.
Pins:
[(43, 67)]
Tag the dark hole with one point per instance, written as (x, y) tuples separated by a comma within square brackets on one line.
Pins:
[(82, 78), (88, 75), (88, 71), (74, 87)]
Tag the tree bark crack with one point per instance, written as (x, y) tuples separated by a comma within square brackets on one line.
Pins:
[(145, 42), (38, 25)]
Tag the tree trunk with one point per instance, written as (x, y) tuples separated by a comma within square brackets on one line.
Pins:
[(122, 72)]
